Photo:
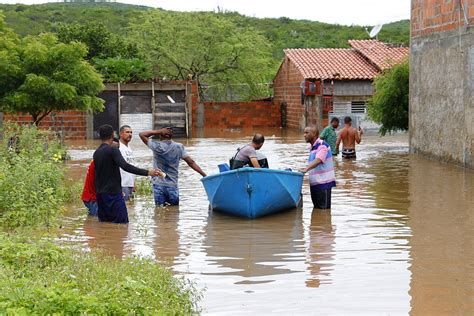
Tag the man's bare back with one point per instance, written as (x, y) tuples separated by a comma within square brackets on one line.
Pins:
[(349, 137)]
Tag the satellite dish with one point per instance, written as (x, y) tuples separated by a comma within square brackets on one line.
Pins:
[(375, 30)]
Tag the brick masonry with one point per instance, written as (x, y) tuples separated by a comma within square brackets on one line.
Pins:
[(287, 95), (242, 115), (286, 90), (433, 16), (71, 124)]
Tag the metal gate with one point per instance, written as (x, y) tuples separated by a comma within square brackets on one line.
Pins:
[(171, 111)]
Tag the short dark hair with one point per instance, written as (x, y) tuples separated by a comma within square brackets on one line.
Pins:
[(123, 127), (258, 139), (106, 132), (334, 119), (347, 120)]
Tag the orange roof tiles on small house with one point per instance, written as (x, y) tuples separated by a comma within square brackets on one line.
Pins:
[(344, 77), (331, 63), (380, 54)]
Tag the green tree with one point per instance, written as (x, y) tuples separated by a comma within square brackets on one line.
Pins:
[(100, 41), (210, 49), (43, 75), (389, 105), (123, 69), (113, 56)]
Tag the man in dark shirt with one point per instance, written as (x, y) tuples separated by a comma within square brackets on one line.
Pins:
[(107, 162)]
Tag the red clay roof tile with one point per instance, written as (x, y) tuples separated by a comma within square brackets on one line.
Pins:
[(331, 63), (382, 55)]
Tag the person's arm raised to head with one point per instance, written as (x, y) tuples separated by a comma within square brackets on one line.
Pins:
[(145, 135), (194, 165)]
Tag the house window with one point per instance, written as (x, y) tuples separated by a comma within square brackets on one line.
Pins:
[(358, 107), (341, 107)]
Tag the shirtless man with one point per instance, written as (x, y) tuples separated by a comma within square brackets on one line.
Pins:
[(349, 137)]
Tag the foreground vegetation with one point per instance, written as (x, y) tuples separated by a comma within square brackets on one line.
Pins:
[(37, 276)]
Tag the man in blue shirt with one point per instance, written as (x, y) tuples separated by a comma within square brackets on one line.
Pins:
[(167, 154)]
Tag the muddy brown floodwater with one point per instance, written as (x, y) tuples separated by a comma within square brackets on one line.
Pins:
[(399, 238)]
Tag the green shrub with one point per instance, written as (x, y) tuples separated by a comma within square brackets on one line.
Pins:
[(143, 186), (31, 177), (389, 105), (38, 277)]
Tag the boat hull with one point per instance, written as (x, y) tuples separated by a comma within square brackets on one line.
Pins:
[(252, 193)]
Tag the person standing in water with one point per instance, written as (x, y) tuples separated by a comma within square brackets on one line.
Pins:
[(128, 179), (166, 156), (321, 169), (330, 136), (107, 163), (349, 137)]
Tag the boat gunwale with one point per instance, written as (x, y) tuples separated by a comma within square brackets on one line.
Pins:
[(250, 169)]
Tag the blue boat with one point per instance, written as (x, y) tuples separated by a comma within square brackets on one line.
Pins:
[(252, 193)]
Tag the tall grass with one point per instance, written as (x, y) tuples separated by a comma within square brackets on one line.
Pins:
[(31, 177), (38, 276)]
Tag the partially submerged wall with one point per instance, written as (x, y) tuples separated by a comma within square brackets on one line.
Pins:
[(237, 115), (71, 125), (442, 81)]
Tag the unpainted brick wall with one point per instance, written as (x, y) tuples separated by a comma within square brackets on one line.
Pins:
[(286, 89), (72, 124), (240, 114), (432, 16)]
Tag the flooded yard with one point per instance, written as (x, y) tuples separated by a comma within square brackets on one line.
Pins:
[(398, 240)]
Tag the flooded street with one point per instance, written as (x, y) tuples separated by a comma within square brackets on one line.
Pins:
[(398, 240)]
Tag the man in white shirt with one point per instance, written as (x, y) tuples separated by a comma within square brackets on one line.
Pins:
[(128, 179)]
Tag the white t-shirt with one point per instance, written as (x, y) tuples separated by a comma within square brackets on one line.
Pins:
[(128, 179)]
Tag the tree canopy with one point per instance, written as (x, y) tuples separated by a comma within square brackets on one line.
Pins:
[(40, 75), (205, 47), (113, 56), (389, 105), (280, 32), (231, 55)]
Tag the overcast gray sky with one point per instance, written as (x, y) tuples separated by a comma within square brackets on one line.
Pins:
[(347, 12)]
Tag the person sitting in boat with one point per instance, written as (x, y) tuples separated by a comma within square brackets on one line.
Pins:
[(247, 155)]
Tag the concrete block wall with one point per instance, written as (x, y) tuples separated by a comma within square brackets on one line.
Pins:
[(242, 115), (442, 80), (286, 88), (71, 124)]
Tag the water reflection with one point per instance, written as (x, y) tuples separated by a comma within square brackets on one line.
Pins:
[(321, 248), (442, 246), (399, 237), (253, 248), (166, 236), (105, 237)]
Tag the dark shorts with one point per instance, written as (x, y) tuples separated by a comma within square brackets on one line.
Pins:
[(321, 198), (349, 153), (127, 193), (165, 195), (112, 208)]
